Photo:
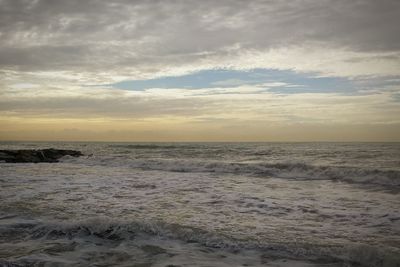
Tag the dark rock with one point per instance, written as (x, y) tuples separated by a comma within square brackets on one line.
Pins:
[(35, 156)]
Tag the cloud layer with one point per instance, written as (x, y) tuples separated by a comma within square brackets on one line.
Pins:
[(131, 66), (143, 38)]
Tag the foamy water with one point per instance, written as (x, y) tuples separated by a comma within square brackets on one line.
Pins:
[(199, 204)]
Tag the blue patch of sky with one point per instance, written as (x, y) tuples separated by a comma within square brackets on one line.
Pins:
[(293, 82)]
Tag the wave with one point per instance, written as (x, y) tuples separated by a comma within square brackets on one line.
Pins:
[(153, 146), (298, 171), (120, 231)]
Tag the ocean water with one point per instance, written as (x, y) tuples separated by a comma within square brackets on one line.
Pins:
[(203, 204)]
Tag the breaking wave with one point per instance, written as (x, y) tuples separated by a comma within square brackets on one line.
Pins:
[(119, 231), (298, 171), (153, 146)]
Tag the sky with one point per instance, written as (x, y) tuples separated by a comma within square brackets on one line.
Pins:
[(226, 70)]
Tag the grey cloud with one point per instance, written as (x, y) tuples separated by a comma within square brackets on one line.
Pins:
[(48, 56), (94, 34)]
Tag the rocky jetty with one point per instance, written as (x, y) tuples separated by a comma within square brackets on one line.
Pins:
[(36, 155)]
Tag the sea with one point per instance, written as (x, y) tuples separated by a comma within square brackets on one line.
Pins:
[(203, 204)]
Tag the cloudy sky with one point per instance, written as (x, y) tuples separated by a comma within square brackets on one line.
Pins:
[(226, 70)]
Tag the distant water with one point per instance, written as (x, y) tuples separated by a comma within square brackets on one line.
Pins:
[(203, 204)]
